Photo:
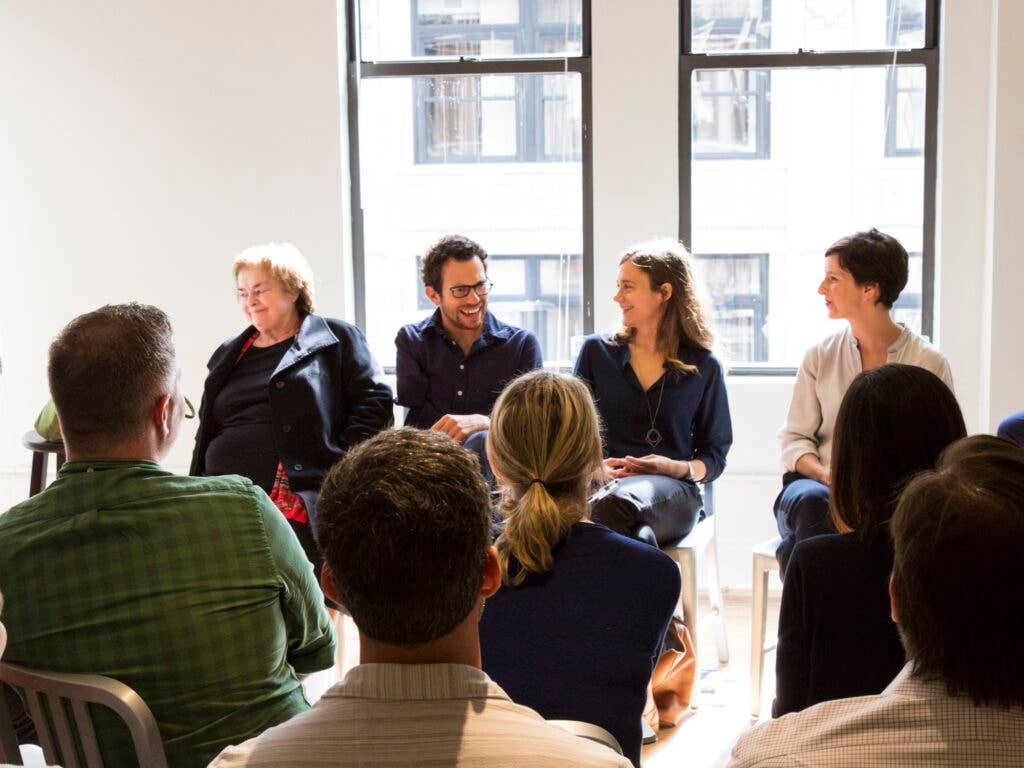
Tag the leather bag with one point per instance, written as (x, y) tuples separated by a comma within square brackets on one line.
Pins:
[(671, 686)]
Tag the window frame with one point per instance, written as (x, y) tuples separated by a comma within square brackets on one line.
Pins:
[(359, 69), (529, 101), (761, 93), (927, 55)]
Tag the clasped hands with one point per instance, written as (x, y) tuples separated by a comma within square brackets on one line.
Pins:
[(651, 464)]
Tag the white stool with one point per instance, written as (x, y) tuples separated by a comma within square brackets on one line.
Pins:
[(764, 563), (700, 542)]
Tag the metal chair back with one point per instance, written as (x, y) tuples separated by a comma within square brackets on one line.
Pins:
[(59, 707)]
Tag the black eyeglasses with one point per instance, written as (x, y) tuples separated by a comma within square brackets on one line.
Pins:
[(480, 289)]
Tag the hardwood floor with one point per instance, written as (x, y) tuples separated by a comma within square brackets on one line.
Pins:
[(705, 737)]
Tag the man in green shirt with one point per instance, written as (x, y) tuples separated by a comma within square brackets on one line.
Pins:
[(193, 591)]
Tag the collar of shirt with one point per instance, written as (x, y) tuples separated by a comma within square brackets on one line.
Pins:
[(906, 685), (901, 340), (494, 332), (99, 465), (417, 682)]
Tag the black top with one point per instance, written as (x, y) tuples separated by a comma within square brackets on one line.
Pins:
[(243, 434), (836, 636), (580, 642), (327, 394)]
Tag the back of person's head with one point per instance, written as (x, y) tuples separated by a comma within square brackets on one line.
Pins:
[(874, 258), (958, 533), (404, 525), (448, 247), (894, 421), (106, 371), (544, 446)]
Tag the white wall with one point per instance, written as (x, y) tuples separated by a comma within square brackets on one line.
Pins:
[(144, 145)]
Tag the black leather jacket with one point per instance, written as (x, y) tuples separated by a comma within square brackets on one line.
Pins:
[(327, 394)]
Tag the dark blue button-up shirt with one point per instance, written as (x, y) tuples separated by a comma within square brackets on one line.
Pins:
[(435, 378), (693, 418)]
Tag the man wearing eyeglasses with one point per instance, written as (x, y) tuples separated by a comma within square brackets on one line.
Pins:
[(453, 365)]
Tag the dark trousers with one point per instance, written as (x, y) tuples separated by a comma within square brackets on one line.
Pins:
[(670, 507), (801, 511), (477, 443)]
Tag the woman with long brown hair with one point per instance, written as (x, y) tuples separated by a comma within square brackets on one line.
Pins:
[(661, 394)]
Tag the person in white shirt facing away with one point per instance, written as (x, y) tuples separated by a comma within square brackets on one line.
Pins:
[(958, 534), (864, 275), (404, 524)]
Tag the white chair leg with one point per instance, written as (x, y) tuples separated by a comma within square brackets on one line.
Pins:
[(715, 598), (758, 623), (687, 561)]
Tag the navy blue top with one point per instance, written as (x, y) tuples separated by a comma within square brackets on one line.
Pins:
[(580, 642), (1012, 428), (836, 637), (435, 378), (693, 418)]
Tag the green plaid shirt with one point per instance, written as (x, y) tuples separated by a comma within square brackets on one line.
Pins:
[(193, 591)]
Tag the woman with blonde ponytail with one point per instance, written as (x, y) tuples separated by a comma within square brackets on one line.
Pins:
[(661, 393), (566, 634)]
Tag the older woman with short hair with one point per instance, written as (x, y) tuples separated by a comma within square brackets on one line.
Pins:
[(286, 398)]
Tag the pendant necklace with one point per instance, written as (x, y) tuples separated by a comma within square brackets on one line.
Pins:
[(653, 436)]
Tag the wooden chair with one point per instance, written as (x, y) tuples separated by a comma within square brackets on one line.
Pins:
[(41, 450), (52, 697), (764, 563)]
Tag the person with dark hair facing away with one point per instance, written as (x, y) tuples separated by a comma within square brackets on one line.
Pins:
[(864, 274), (193, 591), (835, 635), (958, 534), (404, 524), (566, 634), (452, 366), (660, 391)]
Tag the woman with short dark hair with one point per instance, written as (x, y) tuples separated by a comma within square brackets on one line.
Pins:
[(836, 638), (864, 275)]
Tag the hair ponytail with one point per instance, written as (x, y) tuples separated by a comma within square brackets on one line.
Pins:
[(544, 443)]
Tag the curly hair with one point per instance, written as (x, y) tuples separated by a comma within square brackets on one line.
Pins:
[(684, 319), (287, 264), (448, 247)]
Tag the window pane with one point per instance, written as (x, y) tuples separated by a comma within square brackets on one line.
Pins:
[(498, 118), (829, 176), (409, 29), (730, 109), (527, 215), (720, 26), (738, 293)]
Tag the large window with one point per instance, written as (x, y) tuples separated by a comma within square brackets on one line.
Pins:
[(472, 117), (851, 115)]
